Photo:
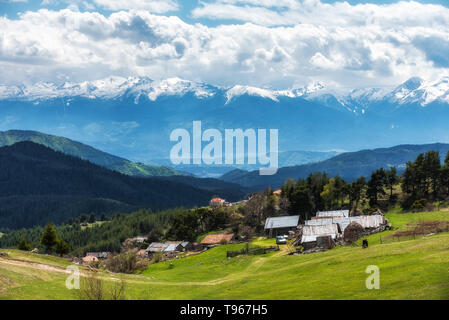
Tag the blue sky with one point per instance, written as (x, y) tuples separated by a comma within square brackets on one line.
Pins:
[(265, 43)]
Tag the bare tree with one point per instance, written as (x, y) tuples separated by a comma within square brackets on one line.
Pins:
[(93, 288)]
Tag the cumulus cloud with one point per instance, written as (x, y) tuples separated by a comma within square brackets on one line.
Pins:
[(156, 6), (280, 44)]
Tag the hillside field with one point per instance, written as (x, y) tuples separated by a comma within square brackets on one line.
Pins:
[(409, 269)]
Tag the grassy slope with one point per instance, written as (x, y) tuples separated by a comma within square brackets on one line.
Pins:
[(414, 269)]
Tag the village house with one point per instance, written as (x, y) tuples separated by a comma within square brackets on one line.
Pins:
[(139, 239), (142, 253), (331, 214), (278, 226), (331, 225), (98, 255), (217, 202), (156, 247), (181, 246), (277, 192), (88, 259), (216, 239)]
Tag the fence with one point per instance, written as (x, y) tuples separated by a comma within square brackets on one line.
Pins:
[(254, 251), (397, 238)]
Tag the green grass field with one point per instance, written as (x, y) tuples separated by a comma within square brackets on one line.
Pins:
[(411, 269)]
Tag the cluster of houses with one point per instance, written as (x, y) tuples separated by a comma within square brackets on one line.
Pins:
[(325, 229), (171, 249)]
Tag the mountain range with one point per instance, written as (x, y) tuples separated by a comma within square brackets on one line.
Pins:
[(133, 117)]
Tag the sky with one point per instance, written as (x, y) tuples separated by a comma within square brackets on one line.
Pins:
[(277, 44)]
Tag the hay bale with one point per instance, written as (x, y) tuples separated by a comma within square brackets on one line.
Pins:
[(353, 232)]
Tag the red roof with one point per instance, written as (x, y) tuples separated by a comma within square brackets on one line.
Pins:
[(217, 200), (217, 238), (277, 191)]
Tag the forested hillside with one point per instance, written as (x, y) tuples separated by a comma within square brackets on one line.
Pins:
[(38, 185)]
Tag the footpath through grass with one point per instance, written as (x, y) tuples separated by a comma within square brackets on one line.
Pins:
[(413, 269)]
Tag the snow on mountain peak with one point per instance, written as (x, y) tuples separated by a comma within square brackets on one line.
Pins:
[(108, 88), (413, 91), (238, 90), (177, 86), (418, 91)]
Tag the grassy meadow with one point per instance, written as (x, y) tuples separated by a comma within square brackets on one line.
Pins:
[(409, 269)]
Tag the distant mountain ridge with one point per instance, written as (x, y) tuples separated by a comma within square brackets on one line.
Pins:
[(349, 165), (85, 152), (286, 159)]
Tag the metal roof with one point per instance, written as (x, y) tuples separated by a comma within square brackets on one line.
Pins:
[(318, 222), (157, 246), (334, 213), (282, 222), (171, 248), (310, 233), (185, 244), (371, 221)]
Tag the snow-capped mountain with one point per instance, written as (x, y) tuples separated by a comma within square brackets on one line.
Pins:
[(108, 88), (133, 117)]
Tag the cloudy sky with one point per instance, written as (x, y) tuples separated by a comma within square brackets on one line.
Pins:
[(266, 43)]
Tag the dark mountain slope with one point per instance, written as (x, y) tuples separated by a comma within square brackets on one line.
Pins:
[(38, 184)]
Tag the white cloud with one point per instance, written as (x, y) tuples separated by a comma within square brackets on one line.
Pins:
[(156, 6), (287, 43)]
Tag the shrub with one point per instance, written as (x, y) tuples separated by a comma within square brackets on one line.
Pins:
[(157, 257), (125, 263), (93, 288), (419, 205)]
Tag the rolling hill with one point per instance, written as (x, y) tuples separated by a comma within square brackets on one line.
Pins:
[(349, 165), (85, 152), (38, 184), (411, 269)]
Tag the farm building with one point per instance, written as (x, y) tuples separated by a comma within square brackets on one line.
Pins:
[(142, 253), (216, 202), (277, 226), (98, 255), (88, 259), (367, 222), (335, 227), (186, 246), (332, 214), (139, 239), (310, 233), (156, 247), (215, 239)]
